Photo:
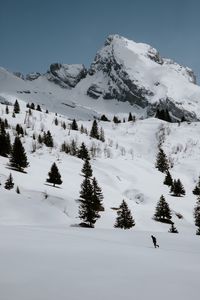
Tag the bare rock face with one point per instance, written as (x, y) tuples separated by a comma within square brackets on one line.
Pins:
[(33, 76), (66, 75)]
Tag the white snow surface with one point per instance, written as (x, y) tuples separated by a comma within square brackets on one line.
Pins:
[(44, 255)]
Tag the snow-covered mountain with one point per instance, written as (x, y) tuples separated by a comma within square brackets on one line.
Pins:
[(124, 76)]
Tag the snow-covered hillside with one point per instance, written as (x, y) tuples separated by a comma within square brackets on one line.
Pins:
[(124, 76)]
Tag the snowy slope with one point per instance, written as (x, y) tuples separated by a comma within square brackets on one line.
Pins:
[(47, 263)]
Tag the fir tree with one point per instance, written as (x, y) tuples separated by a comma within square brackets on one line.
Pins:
[(32, 106), (130, 117), (5, 146), (82, 129), (101, 135), (18, 190), (9, 184), (73, 148), (48, 140), (54, 175), (40, 139), (162, 213), (97, 195), (173, 229), (94, 133), (161, 161), (168, 179), (124, 218), (18, 159), (38, 108), (16, 109), (177, 188), (83, 152), (196, 190), (13, 114), (74, 125), (7, 110), (87, 210), (87, 170), (56, 121), (197, 215), (104, 118), (116, 120)]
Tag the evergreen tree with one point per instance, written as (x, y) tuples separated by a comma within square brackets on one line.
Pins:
[(97, 195), (18, 159), (168, 179), (94, 133), (82, 129), (64, 125), (130, 117), (47, 138), (87, 211), (124, 218), (9, 184), (116, 120), (32, 106), (101, 135), (74, 125), (196, 190), (173, 228), (54, 175), (162, 213), (18, 190), (104, 118), (161, 161), (13, 114), (38, 108), (16, 107), (56, 121), (87, 170), (197, 215), (73, 148), (5, 146), (7, 110), (177, 188), (83, 152), (40, 139), (19, 130)]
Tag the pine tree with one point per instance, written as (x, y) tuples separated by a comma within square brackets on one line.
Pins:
[(124, 218), (74, 125), (162, 213), (177, 188), (82, 129), (130, 117), (56, 121), (48, 140), (173, 229), (83, 152), (87, 210), (87, 170), (94, 133), (9, 184), (97, 195), (104, 118), (40, 139), (18, 159), (196, 190), (32, 106), (38, 108), (54, 175), (168, 179), (5, 146), (73, 148), (18, 190), (16, 107), (101, 135), (197, 215), (116, 120), (13, 114), (161, 161), (7, 110)]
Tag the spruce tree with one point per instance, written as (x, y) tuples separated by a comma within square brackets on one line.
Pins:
[(54, 175), (177, 188), (18, 158), (32, 106), (87, 210), (56, 121), (124, 218), (87, 169), (97, 195), (101, 135), (116, 120), (73, 148), (48, 140), (9, 184), (168, 179), (94, 132), (5, 146), (130, 117), (7, 110), (74, 125), (83, 152), (38, 108), (162, 163), (16, 107), (197, 215), (17, 190), (196, 190), (104, 118), (173, 228), (162, 213)]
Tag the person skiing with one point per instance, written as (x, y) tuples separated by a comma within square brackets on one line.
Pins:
[(154, 241)]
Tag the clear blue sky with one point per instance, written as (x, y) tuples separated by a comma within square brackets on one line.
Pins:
[(36, 33)]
